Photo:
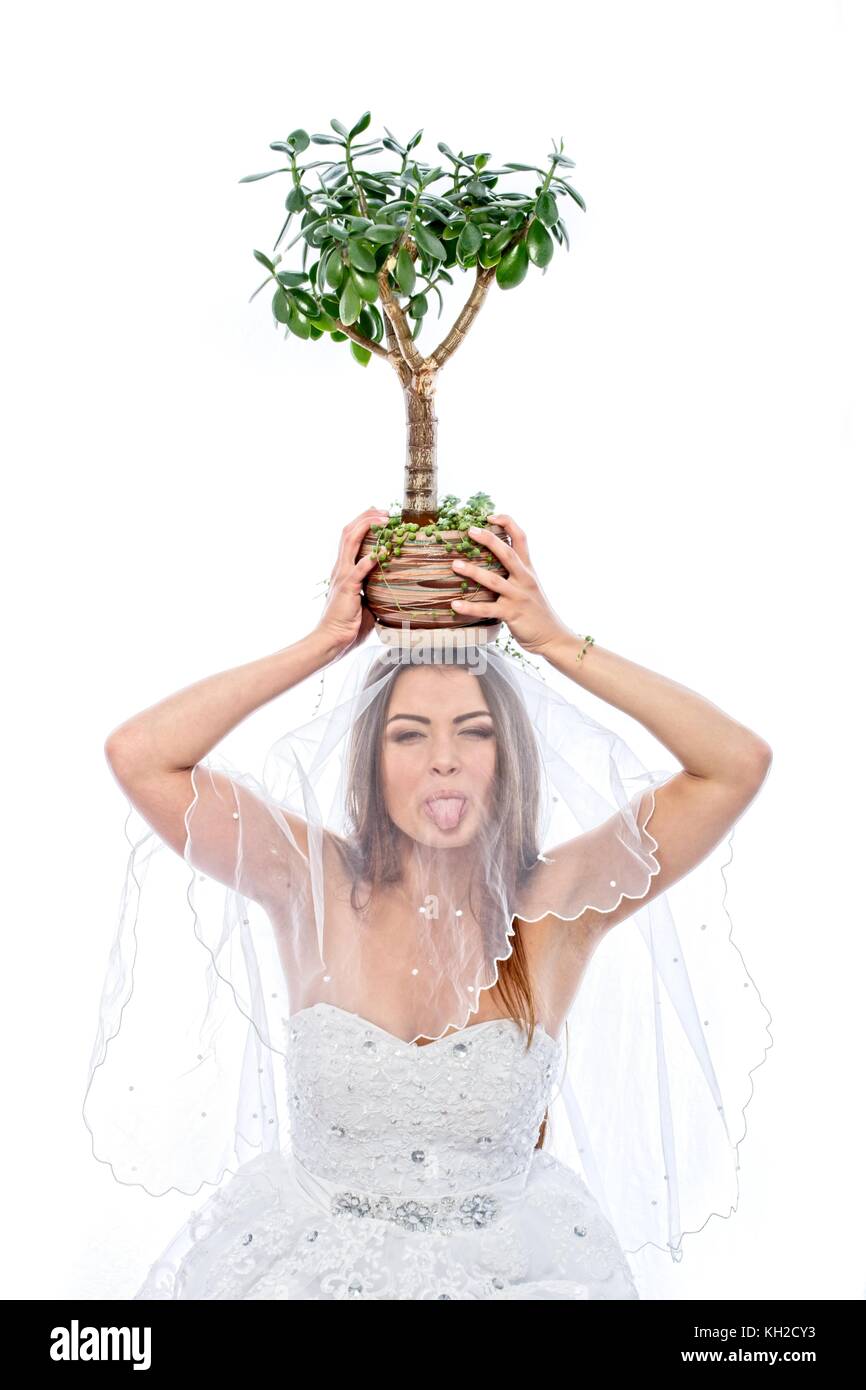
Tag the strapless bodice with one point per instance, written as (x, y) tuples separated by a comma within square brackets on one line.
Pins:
[(375, 1112)]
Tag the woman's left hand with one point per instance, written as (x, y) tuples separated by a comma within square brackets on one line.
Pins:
[(522, 603)]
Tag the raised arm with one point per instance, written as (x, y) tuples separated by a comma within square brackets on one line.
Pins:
[(235, 836), (724, 763)]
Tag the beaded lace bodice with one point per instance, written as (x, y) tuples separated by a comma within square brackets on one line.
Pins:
[(378, 1113)]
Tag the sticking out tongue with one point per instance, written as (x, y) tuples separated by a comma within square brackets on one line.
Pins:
[(445, 811)]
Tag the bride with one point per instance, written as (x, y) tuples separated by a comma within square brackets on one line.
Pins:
[(429, 954)]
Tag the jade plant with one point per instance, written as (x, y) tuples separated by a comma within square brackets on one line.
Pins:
[(377, 244)]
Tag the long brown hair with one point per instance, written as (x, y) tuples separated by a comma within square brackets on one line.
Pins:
[(371, 850)]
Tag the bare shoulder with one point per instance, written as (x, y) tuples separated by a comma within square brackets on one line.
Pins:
[(299, 831), (686, 817)]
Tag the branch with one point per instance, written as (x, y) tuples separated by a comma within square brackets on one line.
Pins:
[(452, 340), (398, 362), (361, 338), (411, 356)]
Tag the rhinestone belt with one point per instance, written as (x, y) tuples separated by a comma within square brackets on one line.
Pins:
[(436, 1214)]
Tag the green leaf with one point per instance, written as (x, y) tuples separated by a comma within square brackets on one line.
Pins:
[(366, 285), (282, 309), (539, 244), (436, 291), (299, 324), (290, 278), (405, 271), (512, 269), (378, 332), (359, 125), (362, 257), (339, 337), (296, 199), (299, 139), (488, 256), (546, 209), (265, 260), (251, 178), (360, 354), (572, 192), (307, 303), (499, 241), (418, 306), (334, 270), (469, 240), (339, 127), (428, 243), (350, 302), (381, 232)]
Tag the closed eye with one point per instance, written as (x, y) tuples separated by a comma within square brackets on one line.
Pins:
[(479, 732)]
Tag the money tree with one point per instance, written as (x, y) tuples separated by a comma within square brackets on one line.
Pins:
[(379, 246)]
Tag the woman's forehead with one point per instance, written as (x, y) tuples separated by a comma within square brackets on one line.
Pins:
[(436, 690)]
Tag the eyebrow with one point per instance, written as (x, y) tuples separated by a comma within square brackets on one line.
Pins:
[(422, 718)]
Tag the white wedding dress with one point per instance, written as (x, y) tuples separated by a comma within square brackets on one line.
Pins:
[(412, 1174)]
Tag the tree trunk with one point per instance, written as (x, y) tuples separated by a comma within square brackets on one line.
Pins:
[(420, 475)]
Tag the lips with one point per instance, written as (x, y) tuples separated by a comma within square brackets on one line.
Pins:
[(446, 811)]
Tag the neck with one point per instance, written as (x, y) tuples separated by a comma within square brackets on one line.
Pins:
[(445, 873)]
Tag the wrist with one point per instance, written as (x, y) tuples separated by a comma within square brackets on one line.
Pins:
[(557, 642), (322, 647), (567, 651)]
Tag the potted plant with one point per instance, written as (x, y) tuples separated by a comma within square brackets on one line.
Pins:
[(377, 245)]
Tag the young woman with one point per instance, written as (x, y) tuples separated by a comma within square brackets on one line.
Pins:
[(416, 901)]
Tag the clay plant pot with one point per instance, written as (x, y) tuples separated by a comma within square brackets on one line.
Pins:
[(416, 588)]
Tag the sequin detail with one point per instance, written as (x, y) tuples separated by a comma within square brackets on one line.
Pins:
[(438, 1214)]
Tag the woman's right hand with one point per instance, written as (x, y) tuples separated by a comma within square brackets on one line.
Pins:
[(345, 620)]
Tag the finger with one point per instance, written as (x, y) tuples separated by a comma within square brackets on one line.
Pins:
[(487, 578), (509, 557), (353, 533), (372, 513), (518, 536), (479, 610)]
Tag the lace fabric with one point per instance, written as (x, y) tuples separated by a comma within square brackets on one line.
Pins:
[(451, 1125)]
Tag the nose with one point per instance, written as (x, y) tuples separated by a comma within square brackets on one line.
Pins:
[(444, 765), (444, 760)]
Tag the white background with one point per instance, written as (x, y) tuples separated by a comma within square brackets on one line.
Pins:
[(674, 413)]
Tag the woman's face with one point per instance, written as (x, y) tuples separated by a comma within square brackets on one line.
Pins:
[(438, 755)]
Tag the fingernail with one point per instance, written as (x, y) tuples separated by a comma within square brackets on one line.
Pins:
[(474, 530)]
